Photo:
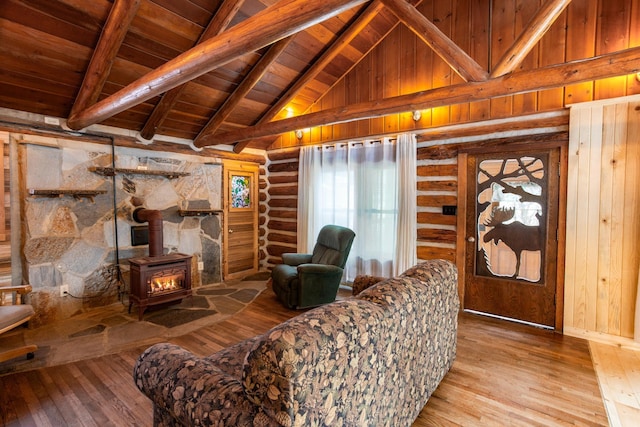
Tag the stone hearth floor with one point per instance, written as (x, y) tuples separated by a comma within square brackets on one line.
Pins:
[(112, 329)]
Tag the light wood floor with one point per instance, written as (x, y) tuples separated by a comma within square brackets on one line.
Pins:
[(504, 375), (618, 371)]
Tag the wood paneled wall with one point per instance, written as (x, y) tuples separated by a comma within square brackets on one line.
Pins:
[(603, 218), (485, 29)]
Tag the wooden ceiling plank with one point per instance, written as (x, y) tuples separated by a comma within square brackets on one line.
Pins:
[(111, 38), (316, 68), (285, 18), (442, 45), (531, 35), (613, 64), (328, 55), (252, 78), (217, 25), (238, 147)]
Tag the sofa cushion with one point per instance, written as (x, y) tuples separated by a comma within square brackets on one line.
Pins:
[(230, 360), (313, 369)]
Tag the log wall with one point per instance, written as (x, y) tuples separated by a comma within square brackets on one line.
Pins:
[(436, 175)]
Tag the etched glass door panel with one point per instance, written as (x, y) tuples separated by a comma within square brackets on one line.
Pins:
[(510, 223), (511, 220)]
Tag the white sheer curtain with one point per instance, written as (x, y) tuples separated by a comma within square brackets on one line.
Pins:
[(406, 162), (357, 185)]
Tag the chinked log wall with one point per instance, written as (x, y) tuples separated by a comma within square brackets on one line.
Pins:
[(282, 204), (437, 184)]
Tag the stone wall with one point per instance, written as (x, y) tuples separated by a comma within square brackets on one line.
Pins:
[(73, 241)]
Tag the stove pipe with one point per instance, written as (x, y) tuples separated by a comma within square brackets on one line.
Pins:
[(154, 218)]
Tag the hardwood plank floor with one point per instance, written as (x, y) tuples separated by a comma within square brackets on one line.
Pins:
[(504, 374)]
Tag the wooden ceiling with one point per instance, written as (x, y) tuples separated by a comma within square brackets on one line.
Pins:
[(233, 71)]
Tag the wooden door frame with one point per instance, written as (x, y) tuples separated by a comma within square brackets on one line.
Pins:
[(462, 209)]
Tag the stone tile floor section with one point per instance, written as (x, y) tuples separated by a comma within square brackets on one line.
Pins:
[(112, 329)]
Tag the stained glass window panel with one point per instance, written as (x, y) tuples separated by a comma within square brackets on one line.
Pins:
[(240, 191)]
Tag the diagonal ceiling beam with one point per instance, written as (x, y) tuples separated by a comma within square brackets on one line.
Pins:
[(609, 65), (258, 31), (217, 25), (363, 20), (536, 28), (113, 33), (325, 59), (252, 78), (442, 45)]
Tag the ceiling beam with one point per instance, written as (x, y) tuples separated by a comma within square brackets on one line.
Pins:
[(333, 50), (113, 33), (252, 78), (284, 18), (553, 76), (442, 45), (217, 25), (537, 27)]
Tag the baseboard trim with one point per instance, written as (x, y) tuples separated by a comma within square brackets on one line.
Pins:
[(602, 338)]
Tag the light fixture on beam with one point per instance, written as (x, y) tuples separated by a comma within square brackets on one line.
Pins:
[(417, 115), (299, 134)]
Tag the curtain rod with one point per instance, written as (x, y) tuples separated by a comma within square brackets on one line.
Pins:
[(343, 144)]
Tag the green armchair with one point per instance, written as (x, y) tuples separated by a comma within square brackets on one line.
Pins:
[(309, 280)]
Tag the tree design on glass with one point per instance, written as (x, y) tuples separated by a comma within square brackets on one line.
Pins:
[(511, 225), (240, 191)]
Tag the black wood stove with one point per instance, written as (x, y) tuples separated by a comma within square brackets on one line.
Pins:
[(157, 278)]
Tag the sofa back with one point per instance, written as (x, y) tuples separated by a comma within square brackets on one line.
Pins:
[(421, 308), (312, 368), (371, 360)]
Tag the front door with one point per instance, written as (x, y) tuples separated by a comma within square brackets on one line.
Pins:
[(240, 237), (511, 235)]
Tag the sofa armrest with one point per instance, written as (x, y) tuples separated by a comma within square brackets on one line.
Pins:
[(362, 282), (189, 389), (295, 259)]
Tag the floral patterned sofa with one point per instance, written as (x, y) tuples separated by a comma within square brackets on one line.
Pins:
[(373, 359)]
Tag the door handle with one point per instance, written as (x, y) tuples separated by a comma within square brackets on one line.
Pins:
[(230, 231), (471, 239)]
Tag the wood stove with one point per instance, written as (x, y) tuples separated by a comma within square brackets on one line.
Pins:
[(157, 278)]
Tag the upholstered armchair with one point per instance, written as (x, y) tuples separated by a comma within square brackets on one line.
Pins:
[(14, 312), (308, 280)]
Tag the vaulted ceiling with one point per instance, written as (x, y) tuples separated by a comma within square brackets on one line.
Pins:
[(223, 71)]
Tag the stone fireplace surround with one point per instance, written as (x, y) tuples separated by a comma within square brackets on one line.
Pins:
[(71, 241)]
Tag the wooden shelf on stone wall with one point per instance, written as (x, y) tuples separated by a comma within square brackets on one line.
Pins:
[(58, 192), (199, 212), (106, 171)]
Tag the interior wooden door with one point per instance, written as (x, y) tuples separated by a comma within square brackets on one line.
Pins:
[(240, 231), (511, 235)]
